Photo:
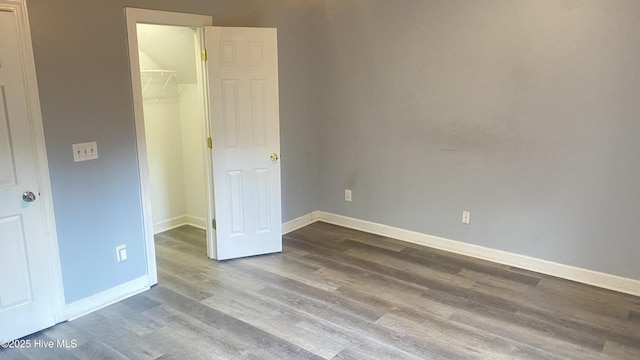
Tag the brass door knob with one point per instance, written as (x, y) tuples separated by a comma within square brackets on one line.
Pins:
[(273, 157)]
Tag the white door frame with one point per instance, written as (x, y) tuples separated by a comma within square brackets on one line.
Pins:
[(136, 16), (19, 9)]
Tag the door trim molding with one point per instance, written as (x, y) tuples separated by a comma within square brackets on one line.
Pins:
[(134, 16), (581, 275), (19, 9)]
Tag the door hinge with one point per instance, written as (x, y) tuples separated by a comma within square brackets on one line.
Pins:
[(213, 224), (204, 54), (210, 143)]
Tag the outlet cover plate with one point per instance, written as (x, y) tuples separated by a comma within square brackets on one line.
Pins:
[(121, 253), (466, 217)]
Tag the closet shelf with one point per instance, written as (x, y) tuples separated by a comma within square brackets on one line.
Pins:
[(158, 73), (150, 76)]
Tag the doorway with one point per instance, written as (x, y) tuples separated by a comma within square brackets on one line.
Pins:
[(157, 83), (239, 76), (174, 126)]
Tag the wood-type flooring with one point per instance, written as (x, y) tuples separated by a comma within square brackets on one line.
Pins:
[(336, 293)]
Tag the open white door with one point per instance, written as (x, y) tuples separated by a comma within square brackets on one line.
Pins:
[(242, 71), (27, 291)]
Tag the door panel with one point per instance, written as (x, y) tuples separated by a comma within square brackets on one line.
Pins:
[(263, 205), (26, 290), (258, 111), (16, 288), (243, 87), (7, 161), (230, 111)]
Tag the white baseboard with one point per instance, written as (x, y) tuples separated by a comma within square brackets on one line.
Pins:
[(196, 222), (590, 277), (165, 225), (297, 223), (106, 298)]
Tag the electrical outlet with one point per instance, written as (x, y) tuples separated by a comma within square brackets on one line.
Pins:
[(121, 253), (347, 195), (466, 217)]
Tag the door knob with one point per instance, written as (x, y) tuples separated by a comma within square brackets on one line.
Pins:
[(273, 157), (29, 196)]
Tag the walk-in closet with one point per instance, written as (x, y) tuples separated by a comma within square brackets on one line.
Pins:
[(174, 126)]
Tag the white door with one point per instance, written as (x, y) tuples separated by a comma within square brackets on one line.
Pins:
[(242, 71), (26, 290)]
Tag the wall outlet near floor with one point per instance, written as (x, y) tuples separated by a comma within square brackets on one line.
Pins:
[(121, 252), (466, 217), (347, 195)]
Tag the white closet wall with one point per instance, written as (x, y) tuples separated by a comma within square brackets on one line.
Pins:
[(175, 136), (164, 153), (193, 151)]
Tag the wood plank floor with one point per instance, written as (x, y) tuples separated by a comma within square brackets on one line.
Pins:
[(336, 293)]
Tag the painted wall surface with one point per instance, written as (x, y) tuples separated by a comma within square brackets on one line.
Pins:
[(82, 65), (163, 133), (175, 139), (523, 112), (193, 155), (174, 126)]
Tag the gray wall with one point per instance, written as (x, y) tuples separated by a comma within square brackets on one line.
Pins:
[(82, 66), (524, 112)]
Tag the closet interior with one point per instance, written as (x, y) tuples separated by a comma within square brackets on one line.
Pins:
[(174, 125)]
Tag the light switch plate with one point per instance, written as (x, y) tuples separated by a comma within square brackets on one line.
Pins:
[(85, 151)]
